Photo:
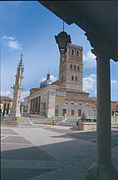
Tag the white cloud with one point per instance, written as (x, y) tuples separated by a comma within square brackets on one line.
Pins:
[(5, 93), (8, 38), (24, 94), (113, 81), (89, 60), (53, 78), (89, 84), (42, 79), (12, 42), (9, 94), (14, 45), (114, 90)]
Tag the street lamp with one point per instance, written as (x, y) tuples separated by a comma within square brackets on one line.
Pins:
[(63, 40)]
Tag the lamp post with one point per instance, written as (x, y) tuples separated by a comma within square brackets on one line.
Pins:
[(63, 40)]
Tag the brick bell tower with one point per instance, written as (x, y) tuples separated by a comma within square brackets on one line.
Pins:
[(15, 111), (71, 68)]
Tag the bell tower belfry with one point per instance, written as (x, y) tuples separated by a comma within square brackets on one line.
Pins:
[(71, 68), (15, 111)]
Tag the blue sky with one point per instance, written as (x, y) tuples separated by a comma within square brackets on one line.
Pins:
[(31, 27)]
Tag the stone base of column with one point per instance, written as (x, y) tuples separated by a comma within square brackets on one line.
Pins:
[(99, 172)]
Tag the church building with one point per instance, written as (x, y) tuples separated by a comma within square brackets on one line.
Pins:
[(64, 97)]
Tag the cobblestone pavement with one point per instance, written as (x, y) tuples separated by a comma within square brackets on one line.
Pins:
[(49, 152)]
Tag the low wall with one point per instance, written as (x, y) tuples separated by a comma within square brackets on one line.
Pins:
[(83, 126)]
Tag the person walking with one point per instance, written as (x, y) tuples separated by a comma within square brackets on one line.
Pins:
[(77, 123)]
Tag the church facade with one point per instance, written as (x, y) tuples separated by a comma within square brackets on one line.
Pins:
[(64, 97)]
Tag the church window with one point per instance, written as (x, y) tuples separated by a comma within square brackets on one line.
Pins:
[(72, 52), (72, 78), (112, 113), (72, 102), (56, 112), (72, 112), (74, 67), (66, 101), (78, 68), (71, 66), (76, 78), (77, 53), (64, 112), (87, 103), (79, 102), (79, 112)]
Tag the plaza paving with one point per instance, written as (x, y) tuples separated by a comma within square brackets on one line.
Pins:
[(49, 152)]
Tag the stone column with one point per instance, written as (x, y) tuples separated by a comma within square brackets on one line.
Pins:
[(22, 107), (51, 104), (33, 105), (28, 106), (104, 112), (102, 169), (38, 104)]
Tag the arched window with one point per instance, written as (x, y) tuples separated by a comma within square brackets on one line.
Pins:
[(76, 78), (77, 53), (79, 112), (74, 67), (72, 102), (66, 101), (71, 66), (72, 52), (72, 112), (72, 78), (78, 68)]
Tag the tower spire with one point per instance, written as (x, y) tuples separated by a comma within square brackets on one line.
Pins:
[(21, 56), (15, 111)]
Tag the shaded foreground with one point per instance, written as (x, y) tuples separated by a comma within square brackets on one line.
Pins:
[(49, 152)]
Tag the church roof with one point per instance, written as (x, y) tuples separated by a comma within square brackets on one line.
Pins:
[(46, 82), (5, 98)]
